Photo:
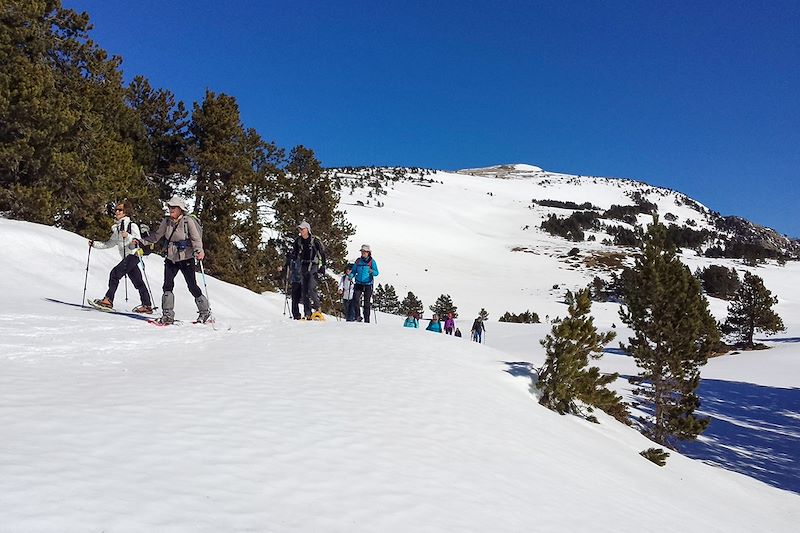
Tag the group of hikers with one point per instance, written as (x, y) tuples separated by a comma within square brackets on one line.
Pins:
[(449, 327), (182, 245), (305, 266), (181, 238)]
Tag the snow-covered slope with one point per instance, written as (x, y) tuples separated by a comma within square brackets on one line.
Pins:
[(476, 236), (109, 424)]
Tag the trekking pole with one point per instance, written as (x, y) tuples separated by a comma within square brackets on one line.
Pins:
[(86, 277), (146, 281), (286, 292), (205, 286), (126, 288), (203, 274)]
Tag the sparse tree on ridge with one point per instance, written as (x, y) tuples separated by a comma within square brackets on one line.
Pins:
[(674, 334), (444, 305), (484, 314), (378, 296), (390, 302), (751, 310), (411, 304), (566, 378)]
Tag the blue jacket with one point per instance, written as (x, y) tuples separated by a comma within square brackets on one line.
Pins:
[(435, 325), (411, 323), (364, 271)]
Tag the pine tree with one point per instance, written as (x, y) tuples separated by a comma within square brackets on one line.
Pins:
[(221, 166), (565, 377), (306, 193), (390, 302), (64, 145), (162, 138), (484, 314), (378, 298), (750, 310), (444, 305), (674, 333), (411, 304), (257, 261)]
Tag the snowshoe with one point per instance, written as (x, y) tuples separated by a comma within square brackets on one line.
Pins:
[(103, 305), (162, 321)]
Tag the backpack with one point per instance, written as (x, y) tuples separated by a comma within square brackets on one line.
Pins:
[(197, 220)]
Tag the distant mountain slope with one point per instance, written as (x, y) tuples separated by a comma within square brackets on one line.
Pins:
[(483, 227)]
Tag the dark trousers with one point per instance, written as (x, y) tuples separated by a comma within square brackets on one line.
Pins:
[(308, 281), (366, 290), (128, 267), (349, 309), (297, 295), (186, 268)]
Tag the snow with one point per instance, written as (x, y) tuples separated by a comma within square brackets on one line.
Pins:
[(109, 424)]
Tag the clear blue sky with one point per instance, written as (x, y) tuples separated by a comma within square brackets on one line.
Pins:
[(699, 96)]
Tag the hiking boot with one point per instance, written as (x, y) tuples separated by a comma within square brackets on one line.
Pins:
[(164, 320), (105, 302), (203, 316), (143, 309)]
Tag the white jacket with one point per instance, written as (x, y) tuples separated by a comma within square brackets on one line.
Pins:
[(116, 239), (347, 286)]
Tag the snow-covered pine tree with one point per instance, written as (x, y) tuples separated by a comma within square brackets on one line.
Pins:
[(674, 334), (411, 304), (444, 305), (566, 377), (751, 310)]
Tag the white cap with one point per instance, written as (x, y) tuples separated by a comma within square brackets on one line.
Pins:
[(304, 225), (365, 248)]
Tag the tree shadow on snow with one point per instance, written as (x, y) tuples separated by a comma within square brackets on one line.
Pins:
[(754, 430), (524, 369), (779, 339)]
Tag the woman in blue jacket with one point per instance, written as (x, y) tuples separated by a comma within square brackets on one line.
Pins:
[(364, 270), (434, 325)]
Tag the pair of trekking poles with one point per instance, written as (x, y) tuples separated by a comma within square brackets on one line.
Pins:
[(147, 281), (286, 297)]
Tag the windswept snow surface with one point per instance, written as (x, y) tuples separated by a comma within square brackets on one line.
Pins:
[(110, 424)]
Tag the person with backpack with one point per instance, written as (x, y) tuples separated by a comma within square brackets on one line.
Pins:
[(411, 320), (291, 268), (449, 324), (458, 333), (310, 254), (346, 289), (123, 232), (434, 325), (364, 271), (182, 245), (477, 329)]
